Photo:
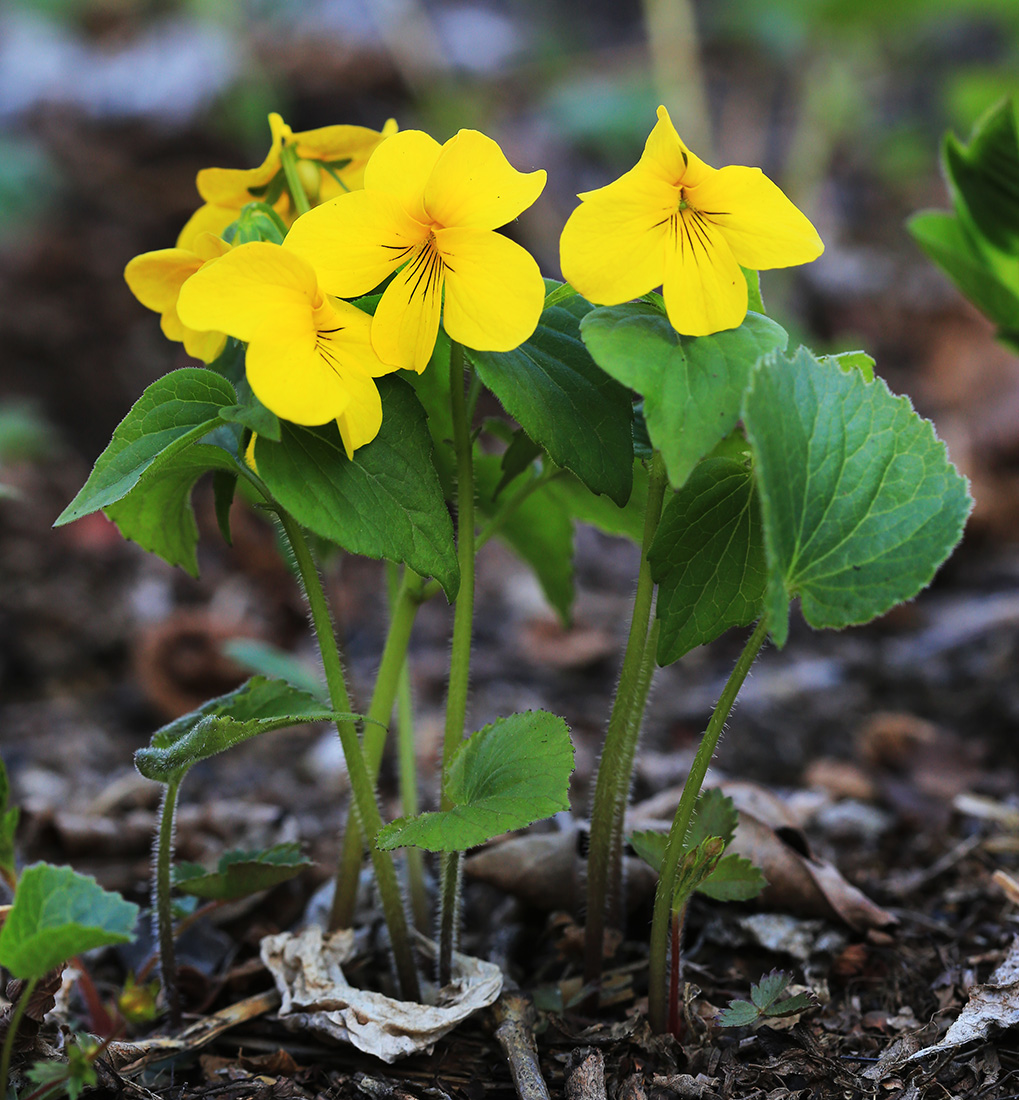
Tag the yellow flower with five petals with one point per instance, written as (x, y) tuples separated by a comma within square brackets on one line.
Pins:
[(309, 357), (673, 221), (429, 212), (156, 278), (331, 161)]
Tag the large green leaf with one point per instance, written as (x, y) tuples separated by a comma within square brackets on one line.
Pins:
[(58, 913), (386, 503), (258, 706), (984, 175), (599, 511), (859, 501), (692, 386), (539, 529), (949, 244), (173, 412), (555, 391), (506, 776), (240, 873), (708, 558), (157, 512)]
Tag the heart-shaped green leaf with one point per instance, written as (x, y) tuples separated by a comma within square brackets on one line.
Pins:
[(708, 558), (259, 706), (157, 512), (692, 386), (58, 913), (386, 503), (505, 776), (557, 394), (240, 873), (859, 501), (175, 411)]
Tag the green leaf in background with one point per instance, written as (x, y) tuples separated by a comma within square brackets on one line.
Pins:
[(539, 529), (766, 1002), (949, 244), (240, 873), (734, 878), (517, 458), (755, 303), (386, 503), (157, 512), (692, 386), (557, 394), (175, 411), (696, 866), (708, 558), (852, 360), (8, 827), (984, 175), (506, 776), (275, 663), (859, 501), (57, 914), (258, 706), (599, 511), (715, 814)]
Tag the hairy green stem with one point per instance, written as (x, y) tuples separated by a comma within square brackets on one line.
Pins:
[(460, 655), (162, 903), (408, 774), (681, 823), (612, 787), (361, 785), (387, 681), (288, 158), (12, 1030)]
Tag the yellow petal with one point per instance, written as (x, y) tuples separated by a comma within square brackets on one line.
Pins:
[(254, 282), (289, 375), (494, 290), (667, 156), (763, 228), (473, 184), (613, 246), (355, 241), (209, 218), (406, 321), (359, 423), (401, 166), (345, 331), (155, 278), (704, 289), (203, 345), (233, 186)]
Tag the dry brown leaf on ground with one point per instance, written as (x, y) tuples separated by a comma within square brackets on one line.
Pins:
[(308, 971)]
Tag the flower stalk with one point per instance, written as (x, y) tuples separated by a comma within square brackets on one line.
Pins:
[(460, 657), (657, 1014), (612, 787), (361, 784)]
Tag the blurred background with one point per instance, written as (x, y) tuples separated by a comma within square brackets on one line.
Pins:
[(108, 108)]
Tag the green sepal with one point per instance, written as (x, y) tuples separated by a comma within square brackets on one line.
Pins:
[(56, 914), (385, 503), (506, 776), (517, 458), (224, 486), (174, 412)]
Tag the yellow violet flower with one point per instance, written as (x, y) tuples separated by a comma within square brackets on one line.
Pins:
[(331, 160), (429, 213), (675, 222), (156, 278), (309, 357)]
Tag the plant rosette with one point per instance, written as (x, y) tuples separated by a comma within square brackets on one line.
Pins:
[(316, 996)]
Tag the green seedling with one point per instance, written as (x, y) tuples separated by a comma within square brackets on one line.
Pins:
[(703, 868), (766, 1002)]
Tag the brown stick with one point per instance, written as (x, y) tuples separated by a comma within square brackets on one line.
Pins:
[(515, 1015)]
